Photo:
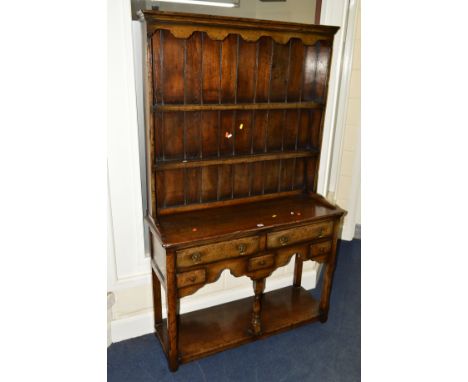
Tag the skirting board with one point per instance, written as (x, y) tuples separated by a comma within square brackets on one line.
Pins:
[(110, 303), (357, 232), (143, 323)]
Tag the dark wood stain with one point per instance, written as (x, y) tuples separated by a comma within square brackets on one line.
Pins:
[(172, 68), (233, 159), (192, 135), (265, 47), (275, 130), (240, 106), (193, 69), (309, 76), (174, 194), (296, 71), (209, 184), (246, 71), (260, 132), (321, 80), (156, 62), (211, 70), (279, 72), (209, 132), (236, 112), (173, 132), (158, 136), (228, 65), (243, 129)]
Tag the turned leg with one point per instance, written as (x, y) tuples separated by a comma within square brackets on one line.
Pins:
[(256, 325), (172, 303), (298, 270)]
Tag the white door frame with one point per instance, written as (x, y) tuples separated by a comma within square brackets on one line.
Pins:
[(339, 12), (334, 12)]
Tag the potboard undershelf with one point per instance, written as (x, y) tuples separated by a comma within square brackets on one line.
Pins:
[(225, 326)]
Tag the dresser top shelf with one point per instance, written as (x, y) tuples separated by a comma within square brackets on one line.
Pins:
[(235, 159), (199, 226), (238, 106)]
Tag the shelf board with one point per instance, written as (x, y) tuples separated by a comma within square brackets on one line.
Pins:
[(227, 202), (239, 106), (208, 331), (178, 164)]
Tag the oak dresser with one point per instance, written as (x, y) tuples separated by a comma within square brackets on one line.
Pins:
[(234, 120)]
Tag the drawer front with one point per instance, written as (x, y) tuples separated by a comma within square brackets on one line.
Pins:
[(261, 262), (219, 251), (190, 278), (295, 235), (320, 249)]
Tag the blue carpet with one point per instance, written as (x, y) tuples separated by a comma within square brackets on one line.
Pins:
[(314, 352)]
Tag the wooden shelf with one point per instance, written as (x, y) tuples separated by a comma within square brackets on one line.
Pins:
[(176, 229), (239, 106), (225, 160), (225, 326)]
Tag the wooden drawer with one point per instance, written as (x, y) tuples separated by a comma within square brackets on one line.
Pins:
[(219, 251), (320, 249), (261, 262), (295, 235), (190, 278)]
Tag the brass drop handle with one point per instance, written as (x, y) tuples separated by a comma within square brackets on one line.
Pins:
[(321, 232), (283, 240), (261, 262), (242, 248), (192, 279), (196, 257), (322, 249)]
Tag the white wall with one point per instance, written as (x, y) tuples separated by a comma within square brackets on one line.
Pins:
[(129, 268), (127, 264)]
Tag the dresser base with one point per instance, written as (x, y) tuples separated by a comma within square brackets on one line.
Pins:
[(211, 330)]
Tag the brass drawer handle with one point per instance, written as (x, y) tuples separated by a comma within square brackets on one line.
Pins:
[(321, 232), (192, 279), (242, 248), (196, 257), (283, 240), (322, 249), (261, 262)]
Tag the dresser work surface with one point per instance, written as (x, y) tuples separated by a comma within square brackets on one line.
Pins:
[(178, 229), (234, 121)]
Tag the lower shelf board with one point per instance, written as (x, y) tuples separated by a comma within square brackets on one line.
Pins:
[(225, 326)]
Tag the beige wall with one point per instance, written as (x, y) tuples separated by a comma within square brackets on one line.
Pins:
[(300, 11), (352, 133), (246, 9)]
